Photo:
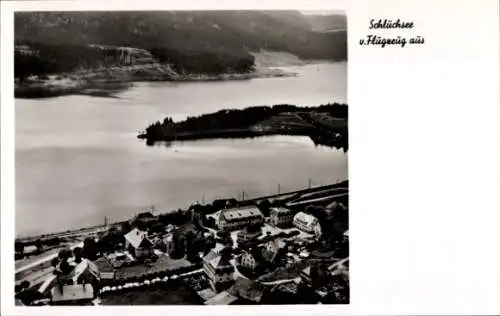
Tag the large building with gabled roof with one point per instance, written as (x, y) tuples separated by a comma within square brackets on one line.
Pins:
[(239, 217)]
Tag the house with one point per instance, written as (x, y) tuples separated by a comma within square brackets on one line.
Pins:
[(305, 222), (249, 233), (237, 218), (273, 250), (75, 294), (137, 243), (106, 269), (283, 293), (218, 269), (79, 286), (281, 216), (286, 287), (145, 218), (335, 206), (223, 298), (314, 275), (180, 235), (247, 290), (252, 259), (306, 275), (291, 293), (84, 272), (197, 214), (169, 243)]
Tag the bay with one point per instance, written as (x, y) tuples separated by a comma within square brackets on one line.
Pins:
[(78, 158)]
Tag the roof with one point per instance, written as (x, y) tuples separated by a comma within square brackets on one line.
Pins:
[(239, 213), (217, 261), (281, 209), (307, 271), (334, 205), (256, 253), (247, 289), (272, 249), (84, 268), (145, 216), (206, 294), (307, 219), (72, 292), (223, 298), (248, 231), (104, 265), (315, 272), (138, 239), (48, 283), (276, 244), (168, 237), (181, 231), (210, 256), (290, 287)]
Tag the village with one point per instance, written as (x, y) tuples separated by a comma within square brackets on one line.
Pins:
[(288, 249)]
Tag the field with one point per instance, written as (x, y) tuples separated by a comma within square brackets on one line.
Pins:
[(163, 263)]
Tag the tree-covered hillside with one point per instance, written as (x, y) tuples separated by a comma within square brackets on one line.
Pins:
[(193, 41)]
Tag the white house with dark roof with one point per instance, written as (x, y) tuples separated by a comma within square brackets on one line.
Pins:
[(305, 222), (138, 244), (239, 217)]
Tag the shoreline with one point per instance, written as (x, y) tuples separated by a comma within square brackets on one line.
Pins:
[(97, 227), (328, 128), (240, 134), (109, 81)]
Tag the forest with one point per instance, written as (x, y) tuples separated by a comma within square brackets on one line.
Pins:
[(232, 123), (210, 42)]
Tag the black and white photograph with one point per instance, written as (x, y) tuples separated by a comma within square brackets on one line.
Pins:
[(181, 158)]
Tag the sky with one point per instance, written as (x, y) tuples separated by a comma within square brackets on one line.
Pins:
[(323, 12)]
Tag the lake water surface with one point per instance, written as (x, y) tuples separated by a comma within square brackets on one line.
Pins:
[(78, 158)]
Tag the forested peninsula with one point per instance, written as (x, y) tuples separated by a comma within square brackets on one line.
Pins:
[(325, 125)]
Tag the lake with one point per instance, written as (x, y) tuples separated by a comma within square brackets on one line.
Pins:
[(78, 158)]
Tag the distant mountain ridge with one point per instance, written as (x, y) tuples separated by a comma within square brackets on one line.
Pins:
[(187, 39), (327, 23)]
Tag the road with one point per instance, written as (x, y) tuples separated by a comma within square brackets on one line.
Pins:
[(297, 279), (340, 184), (68, 234), (318, 200), (36, 272)]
